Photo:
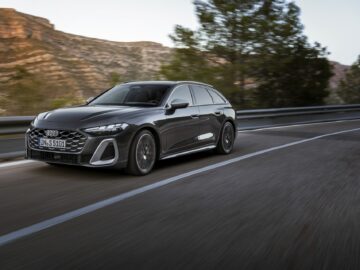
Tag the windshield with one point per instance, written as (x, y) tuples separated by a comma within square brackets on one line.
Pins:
[(133, 95)]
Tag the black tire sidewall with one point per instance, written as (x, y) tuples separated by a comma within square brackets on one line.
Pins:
[(133, 167), (220, 147)]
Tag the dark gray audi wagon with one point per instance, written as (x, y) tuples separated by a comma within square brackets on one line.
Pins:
[(133, 125)]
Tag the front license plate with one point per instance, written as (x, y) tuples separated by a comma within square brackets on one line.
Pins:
[(52, 143)]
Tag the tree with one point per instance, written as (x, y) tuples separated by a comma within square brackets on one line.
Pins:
[(251, 49), (218, 51), (115, 78), (349, 88), (289, 71)]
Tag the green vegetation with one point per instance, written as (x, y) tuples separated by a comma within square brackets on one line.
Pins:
[(349, 88), (255, 51), (25, 96), (30, 94), (115, 78)]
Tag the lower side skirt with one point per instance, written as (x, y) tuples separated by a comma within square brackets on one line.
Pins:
[(204, 148)]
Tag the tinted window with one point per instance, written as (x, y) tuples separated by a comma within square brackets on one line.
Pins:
[(202, 96), (133, 94), (182, 92), (216, 97)]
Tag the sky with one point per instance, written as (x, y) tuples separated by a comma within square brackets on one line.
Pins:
[(333, 23)]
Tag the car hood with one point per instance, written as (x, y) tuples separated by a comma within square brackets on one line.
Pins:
[(87, 116)]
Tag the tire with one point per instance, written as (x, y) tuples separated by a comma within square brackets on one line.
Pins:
[(142, 155), (226, 141)]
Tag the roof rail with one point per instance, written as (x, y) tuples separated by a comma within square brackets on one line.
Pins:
[(195, 82)]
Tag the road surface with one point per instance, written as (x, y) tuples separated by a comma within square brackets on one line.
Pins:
[(286, 198)]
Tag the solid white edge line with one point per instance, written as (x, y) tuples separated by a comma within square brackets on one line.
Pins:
[(12, 236), (15, 163), (297, 125)]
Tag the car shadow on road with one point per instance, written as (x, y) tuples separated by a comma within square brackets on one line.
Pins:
[(162, 168)]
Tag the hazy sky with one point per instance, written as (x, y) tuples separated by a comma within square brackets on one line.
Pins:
[(333, 23)]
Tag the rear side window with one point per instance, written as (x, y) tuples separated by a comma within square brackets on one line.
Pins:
[(182, 92), (202, 96), (216, 97)]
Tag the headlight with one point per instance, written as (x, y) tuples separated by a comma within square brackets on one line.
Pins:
[(105, 130)]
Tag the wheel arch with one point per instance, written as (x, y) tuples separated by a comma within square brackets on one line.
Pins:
[(232, 121), (156, 135)]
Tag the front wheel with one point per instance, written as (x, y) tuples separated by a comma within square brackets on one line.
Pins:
[(142, 154), (226, 140)]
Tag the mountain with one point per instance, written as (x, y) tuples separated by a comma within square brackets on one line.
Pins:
[(339, 71), (33, 54)]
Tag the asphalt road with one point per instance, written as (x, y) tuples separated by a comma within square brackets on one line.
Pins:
[(294, 206)]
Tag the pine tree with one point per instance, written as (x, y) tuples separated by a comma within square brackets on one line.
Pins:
[(289, 71), (251, 48), (218, 52)]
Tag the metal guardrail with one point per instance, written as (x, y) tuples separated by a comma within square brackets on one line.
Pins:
[(263, 118), (247, 120), (296, 111), (14, 124)]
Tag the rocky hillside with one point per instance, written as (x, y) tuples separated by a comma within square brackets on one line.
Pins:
[(34, 54), (339, 71)]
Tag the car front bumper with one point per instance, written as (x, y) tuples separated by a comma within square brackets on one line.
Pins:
[(98, 151)]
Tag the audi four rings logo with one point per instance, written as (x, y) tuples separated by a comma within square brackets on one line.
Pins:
[(51, 133)]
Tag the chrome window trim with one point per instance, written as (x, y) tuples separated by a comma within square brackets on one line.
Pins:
[(221, 95), (207, 88)]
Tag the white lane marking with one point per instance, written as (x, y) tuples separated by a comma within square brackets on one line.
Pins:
[(15, 163), (10, 237), (297, 125)]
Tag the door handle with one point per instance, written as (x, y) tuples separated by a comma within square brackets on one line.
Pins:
[(194, 116), (218, 113)]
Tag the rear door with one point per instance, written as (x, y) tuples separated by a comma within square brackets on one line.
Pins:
[(181, 129), (211, 115)]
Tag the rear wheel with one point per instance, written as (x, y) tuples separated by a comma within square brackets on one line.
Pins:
[(226, 140), (142, 155)]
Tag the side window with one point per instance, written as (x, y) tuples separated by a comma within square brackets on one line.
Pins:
[(216, 97), (202, 96), (182, 92)]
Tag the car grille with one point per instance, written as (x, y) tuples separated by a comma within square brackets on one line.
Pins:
[(75, 141)]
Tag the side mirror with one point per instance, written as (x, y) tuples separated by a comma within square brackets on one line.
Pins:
[(89, 100), (178, 104)]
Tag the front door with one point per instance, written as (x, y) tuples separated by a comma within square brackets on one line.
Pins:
[(181, 129)]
